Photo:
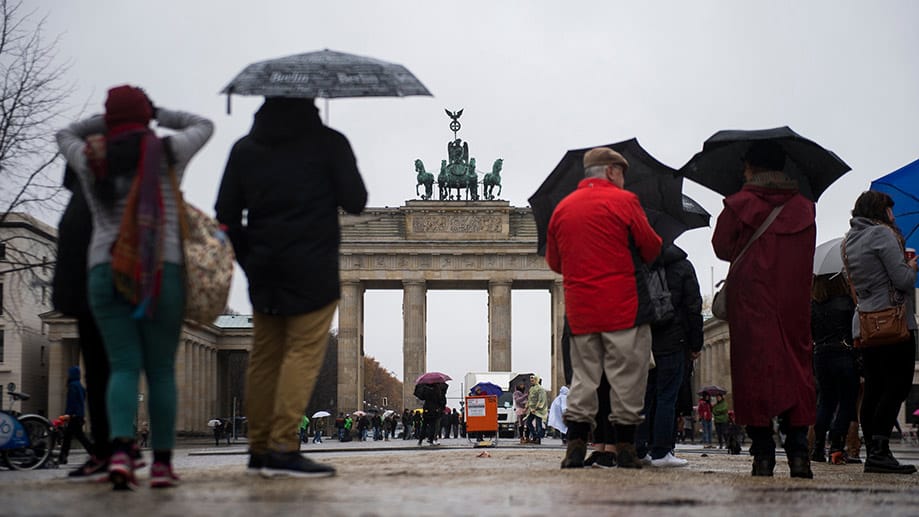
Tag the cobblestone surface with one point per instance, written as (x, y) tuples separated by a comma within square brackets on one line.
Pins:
[(398, 478)]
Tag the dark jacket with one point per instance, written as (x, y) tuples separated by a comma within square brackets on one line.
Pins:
[(289, 174), (75, 229), (433, 395), (685, 332), (76, 394)]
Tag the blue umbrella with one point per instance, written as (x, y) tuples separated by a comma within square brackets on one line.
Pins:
[(486, 388), (903, 186)]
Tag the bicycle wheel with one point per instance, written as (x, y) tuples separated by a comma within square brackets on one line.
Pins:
[(41, 445)]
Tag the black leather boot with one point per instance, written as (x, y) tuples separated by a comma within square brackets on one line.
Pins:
[(763, 466), (800, 467), (577, 445), (881, 461)]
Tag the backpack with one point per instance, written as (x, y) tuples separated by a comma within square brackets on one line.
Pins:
[(662, 311)]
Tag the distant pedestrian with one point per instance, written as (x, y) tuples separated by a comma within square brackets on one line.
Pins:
[(537, 409), (144, 434), (346, 428), (75, 412), (596, 237), (318, 426), (520, 409), (705, 418), (340, 426), (434, 397), (455, 423), (304, 428), (217, 430), (406, 424), (557, 412), (720, 418)]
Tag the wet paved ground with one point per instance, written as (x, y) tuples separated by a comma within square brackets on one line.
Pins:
[(398, 478)]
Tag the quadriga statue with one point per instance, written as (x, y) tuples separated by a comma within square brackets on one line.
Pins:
[(424, 178), (492, 180)]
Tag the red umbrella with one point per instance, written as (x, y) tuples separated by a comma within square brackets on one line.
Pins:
[(433, 378)]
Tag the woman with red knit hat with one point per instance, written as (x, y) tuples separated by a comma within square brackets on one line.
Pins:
[(136, 288)]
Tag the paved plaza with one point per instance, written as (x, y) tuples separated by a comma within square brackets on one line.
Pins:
[(399, 478)]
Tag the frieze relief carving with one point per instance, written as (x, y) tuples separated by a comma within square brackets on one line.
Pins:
[(455, 223), (413, 262)]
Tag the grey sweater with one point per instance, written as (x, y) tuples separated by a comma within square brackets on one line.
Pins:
[(191, 133), (876, 263)]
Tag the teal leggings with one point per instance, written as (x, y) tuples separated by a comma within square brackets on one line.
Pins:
[(133, 345)]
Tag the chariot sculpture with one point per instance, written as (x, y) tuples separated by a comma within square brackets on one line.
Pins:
[(457, 173)]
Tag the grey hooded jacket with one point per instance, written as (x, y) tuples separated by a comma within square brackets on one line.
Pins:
[(876, 263)]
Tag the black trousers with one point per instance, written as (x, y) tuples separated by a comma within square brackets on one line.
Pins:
[(96, 370), (73, 430), (888, 371), (763, 442)]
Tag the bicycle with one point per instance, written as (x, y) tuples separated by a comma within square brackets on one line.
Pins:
[(26, 441)]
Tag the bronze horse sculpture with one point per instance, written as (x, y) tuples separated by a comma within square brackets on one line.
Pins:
[(492, 180), (424, 178)]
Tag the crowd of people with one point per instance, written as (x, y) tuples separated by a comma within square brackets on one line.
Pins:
[(120, 273)]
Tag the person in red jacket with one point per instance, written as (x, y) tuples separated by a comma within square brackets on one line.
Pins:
[(597, 239)]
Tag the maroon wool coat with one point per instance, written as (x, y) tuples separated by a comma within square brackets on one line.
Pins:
[(769, 304)]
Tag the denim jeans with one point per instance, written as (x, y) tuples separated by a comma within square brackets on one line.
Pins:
[(707, 432), (656, 434), (534, 424)]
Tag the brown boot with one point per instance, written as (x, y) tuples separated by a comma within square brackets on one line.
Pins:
[(626, 456), (574, 456)]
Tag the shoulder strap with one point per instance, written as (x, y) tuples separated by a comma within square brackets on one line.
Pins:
[(759, 231)]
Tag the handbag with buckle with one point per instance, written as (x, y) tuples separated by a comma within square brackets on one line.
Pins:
[(884, 327)]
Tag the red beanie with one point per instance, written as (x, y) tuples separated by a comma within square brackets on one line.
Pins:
[(126, 104)]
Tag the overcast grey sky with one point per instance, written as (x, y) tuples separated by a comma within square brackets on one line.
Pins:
[(535, 78)]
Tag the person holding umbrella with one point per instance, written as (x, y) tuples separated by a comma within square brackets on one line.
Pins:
[(767, 232), (279, 199)]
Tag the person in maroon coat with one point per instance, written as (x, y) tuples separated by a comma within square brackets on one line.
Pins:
[(769, 312)]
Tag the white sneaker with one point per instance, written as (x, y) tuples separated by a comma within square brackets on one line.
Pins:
[(669, 461), (646, 461)]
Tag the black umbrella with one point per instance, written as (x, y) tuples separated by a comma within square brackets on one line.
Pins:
[(327, 74), (657, 186), (719, 166), (669, 227)]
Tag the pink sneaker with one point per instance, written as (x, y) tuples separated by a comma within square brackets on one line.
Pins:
[(121, 472), (162, 476)]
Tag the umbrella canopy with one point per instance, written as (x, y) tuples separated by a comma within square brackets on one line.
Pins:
[(358, 413), (916, 412), (713, 389), (828, 257), (486, 388), (213, 423), (321, 414), (433, 378), (388, 413), (719, 166), (669, 227), (902, 185), (657, 186), (327, 74)]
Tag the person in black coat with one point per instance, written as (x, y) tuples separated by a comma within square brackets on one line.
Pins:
[(69, 296), (670, 342), (435, 400), (279, 198)]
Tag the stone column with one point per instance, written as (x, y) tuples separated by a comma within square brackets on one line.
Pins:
[(350, 346), (557, 313), (414, 337), (188, 410), (499, 325), (198, 381), (57, 380), (181, 386)]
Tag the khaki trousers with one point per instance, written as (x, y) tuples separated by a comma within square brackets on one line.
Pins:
[(624, 355), (287, 353)]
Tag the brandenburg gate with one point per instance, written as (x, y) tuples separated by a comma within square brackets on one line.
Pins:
[(448, 244)]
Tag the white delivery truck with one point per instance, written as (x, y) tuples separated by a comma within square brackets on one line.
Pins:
[(507, 419)]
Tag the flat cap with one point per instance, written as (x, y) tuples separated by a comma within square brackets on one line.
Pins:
[(604, 156)]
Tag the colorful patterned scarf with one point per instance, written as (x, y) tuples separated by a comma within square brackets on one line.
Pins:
[(137, 255)]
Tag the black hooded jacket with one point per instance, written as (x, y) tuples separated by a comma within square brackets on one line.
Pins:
[(685, 333), (288, 177)]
